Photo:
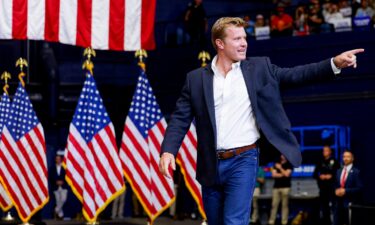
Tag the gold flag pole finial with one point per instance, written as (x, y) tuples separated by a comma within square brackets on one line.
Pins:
[(204, 56), (88, 64), (21, 62), (5, 76), (141, 53)]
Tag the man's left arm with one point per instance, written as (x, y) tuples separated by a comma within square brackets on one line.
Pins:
[(323, 70), (356, 188)]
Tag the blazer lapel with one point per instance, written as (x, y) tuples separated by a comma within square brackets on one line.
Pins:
[(349, 176), (208, 90), (248, 71)]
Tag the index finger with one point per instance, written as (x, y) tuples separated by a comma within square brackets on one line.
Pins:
[(356, 51)]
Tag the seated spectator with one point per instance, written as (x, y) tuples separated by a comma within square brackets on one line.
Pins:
[(365, 10), (301, 27), (262, 30), (326, 5), (249, 26), (332, 13), (259, 21), (315, 18), (345, 8), (281, 24), (282, 3)]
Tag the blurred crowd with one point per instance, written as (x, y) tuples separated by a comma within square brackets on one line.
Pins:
[(312, 17)]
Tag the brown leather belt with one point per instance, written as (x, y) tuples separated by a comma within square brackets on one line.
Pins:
[(229, 153)]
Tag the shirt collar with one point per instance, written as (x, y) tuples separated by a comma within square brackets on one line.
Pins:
[(349, 167), (214, 68)]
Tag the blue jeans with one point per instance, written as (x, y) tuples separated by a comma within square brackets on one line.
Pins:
[(228, 202)]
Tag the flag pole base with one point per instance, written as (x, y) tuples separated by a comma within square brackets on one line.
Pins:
[(8, 217), (26, 223), (93, 223), (204, 222)]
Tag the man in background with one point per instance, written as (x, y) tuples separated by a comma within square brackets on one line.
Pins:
[(258, 185), (325, 174), (58, 184), (348, 188), (282, 174)]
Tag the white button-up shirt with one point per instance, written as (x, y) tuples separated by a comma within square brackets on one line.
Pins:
[(348, 168), (235, 121)]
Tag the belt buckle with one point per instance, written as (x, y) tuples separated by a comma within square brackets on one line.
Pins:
[(220, 154)]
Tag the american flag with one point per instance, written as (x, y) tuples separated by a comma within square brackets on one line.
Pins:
[(140, 151), (187, 160), (5, 201), (23, 164), (101, 24), (92, 163)]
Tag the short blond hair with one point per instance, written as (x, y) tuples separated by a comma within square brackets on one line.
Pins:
[(218, 29)]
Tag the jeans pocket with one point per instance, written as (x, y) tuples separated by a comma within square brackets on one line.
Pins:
[(252, 153)]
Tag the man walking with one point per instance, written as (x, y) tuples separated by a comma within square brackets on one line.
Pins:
[(235, 102)]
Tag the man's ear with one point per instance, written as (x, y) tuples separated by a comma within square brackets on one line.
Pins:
[(219, 44)]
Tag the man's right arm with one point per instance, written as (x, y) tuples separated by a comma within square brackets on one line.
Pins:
[(176, 130)]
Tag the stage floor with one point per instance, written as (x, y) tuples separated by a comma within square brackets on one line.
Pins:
[(128, 221)]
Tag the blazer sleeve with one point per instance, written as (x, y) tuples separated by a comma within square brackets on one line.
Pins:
[(179, 122), (302, 74), (356, 187)]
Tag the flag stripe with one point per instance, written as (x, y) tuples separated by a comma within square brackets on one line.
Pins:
[(116, 24), (132, 26), (19, 19), (100, 24), (110, 167), (138, 148), (114, 158), (29, 166), (11, 167), (155, 166), (6, 18), (12, 189), (137, 187), (84, 23), (147, 24), (52, 20), (35, 19), (68, 21), (186, 158), (37, 138), (38, 162), (19, 164), (101, 174)]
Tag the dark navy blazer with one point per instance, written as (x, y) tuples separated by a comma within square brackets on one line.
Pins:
[(262, 81), (353, 185)]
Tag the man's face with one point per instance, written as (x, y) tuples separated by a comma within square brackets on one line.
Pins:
[(347, 158), (327, 151), (58, 159), (234, 44)]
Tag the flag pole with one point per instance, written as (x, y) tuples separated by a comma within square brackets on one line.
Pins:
[(89, 65), (204, 56), (141, 54), (21, 62), (5, 76)]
